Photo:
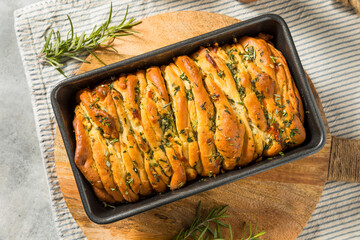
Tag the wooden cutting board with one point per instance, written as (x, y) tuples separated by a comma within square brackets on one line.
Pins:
[(281, 200)]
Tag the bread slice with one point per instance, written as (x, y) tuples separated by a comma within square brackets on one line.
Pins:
[(229, 134), (269, 81), (160, 113), (130, 147), (129, 90), (194, 152), (179, 103), (213, 66), (290, 100), (84, 155), (97, 133), (205, 113)]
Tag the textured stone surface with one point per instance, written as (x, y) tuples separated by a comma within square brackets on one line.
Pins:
[(25, 211)]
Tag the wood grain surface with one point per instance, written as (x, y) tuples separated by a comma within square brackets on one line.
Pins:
[(281, 200), (344, 160)]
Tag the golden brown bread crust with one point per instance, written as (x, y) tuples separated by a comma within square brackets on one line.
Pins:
[(292, 91), (150, 123), (98, 144), (102, 195), (163, 124), (212, 64), (272, 80), (177, 92), (231, 54), (191, 137), (153, 130), (83, 153), (245, 88), (229, 133), (132, 94), (262, 54), (205, 114), (118, 165), (84, 156), (128, 144), (122, 165), (100, 117)]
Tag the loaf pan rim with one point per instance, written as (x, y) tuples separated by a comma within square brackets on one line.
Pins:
[(266, 166)]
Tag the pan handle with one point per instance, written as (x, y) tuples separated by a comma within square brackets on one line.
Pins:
[(344, 160)]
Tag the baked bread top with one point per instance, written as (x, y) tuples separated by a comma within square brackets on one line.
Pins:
[(220, 108)]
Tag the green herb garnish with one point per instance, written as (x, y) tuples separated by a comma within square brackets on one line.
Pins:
[(203, 106), (210, 226), (189, 95), (57, 50), (176, 89), (293, 132), (221, 74), (249, 54), (273, 59), (184, 77), (114, 140), (166, 105)]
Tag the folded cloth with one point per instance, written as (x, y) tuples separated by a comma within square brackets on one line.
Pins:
[(326, 34), (337, 214)]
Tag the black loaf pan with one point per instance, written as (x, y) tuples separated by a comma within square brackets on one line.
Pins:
[(63, 102)]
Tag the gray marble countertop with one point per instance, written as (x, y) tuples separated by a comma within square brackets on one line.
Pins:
[(25, 211)]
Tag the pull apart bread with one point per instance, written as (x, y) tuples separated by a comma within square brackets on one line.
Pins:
[(218, 109)]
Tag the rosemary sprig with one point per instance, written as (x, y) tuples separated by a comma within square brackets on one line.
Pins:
[(201, 227), (57, 50)]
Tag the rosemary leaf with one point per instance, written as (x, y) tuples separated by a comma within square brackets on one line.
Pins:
[(56, 50), (198, 210), (108, 46), (206, 228), (97, 57), (258, 235), (253, 236), (219, 229)]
